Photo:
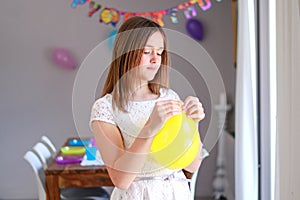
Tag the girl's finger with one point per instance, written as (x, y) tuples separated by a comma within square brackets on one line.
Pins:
[(190, 101), (197, 117), (168, 102)]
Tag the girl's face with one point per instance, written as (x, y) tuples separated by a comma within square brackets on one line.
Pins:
[(151, 58)]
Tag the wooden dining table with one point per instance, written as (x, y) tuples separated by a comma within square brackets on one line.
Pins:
[(73, 175)]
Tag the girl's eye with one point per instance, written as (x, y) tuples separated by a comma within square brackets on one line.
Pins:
[(147, 52), (159, 53)]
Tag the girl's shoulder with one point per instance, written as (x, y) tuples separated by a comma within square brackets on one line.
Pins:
[(167, 93), (102, 110), (106, 99), (103, 104)]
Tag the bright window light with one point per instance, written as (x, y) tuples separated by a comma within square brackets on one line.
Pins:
[(273, 93)]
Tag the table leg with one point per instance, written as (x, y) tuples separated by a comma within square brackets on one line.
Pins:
[(52, 188)]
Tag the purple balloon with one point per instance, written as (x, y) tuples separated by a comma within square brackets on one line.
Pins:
[(195, 29), (64, 58)]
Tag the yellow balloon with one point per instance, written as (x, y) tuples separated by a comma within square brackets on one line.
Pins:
[(176, 145)]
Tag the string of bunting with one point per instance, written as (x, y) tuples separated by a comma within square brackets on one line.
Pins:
[(112, 16)]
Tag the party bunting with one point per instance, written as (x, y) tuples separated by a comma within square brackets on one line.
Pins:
[(112, 16)]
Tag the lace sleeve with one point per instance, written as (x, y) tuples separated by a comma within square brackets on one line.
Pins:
[(102, 111), (173, 94)]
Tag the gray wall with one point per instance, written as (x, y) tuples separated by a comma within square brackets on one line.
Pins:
[(36, 94)]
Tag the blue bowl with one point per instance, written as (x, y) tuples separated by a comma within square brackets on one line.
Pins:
[(77, 142)]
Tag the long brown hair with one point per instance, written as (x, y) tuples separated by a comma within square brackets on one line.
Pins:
[(128, 48)]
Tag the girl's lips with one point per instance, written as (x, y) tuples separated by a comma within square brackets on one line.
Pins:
[(151, 68)]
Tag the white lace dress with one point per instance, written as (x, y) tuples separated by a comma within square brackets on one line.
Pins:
[(130, 124)]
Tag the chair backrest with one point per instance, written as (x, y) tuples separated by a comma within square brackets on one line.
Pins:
[(38, 170), (43, 153), (49, 144), (67, 193), (195, 175)]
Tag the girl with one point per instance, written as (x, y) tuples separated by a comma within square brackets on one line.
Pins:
[(135, 104)]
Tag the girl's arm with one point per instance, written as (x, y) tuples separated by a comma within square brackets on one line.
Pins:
[(124, 164), (196, 162)]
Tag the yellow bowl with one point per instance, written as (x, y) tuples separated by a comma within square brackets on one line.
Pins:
[(70, 150)]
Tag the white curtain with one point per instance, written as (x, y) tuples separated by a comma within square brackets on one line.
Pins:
[(288, 97), (246, 152)]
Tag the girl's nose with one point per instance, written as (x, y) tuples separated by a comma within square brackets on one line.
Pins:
[(154, 57)]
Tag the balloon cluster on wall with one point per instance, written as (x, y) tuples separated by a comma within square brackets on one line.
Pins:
[(112, 16)]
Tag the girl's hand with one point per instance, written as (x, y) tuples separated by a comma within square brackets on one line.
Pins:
[(162, 111), (193, 108)]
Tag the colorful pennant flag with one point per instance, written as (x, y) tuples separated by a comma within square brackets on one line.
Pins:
[(112, 16)]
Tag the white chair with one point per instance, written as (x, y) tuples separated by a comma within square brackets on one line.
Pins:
[(37, 167), (43, 153), (49, 143), (66, 193), (195, 175)]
